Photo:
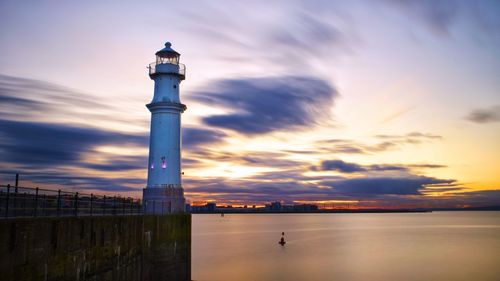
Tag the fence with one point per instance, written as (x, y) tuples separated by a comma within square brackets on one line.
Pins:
[(34, 202)]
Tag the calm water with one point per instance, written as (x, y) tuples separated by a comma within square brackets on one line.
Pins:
[(411, 246)]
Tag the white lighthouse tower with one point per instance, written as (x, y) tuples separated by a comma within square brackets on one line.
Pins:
[(164, 193)]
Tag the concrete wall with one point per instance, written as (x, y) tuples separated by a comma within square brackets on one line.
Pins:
[(96, 248)]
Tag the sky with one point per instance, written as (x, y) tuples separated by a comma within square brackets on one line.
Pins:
[(387, 103)]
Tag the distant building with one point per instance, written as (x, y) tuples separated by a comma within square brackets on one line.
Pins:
[(274, 207), (210, 207), (304, 208)]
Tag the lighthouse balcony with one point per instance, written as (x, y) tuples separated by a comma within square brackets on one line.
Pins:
[(167, 68)]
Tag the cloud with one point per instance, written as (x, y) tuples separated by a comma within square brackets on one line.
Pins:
[(195, 137), (32, 137), (116, 163), (43, 101), (384, 143), (437, 15), (28, 97), (347, 167), (263, 105), (28, 143), (57, 178), (293, 38), (485, 115), (441, 16), (42, 147), (369, 186), (413, 137), (341, 166), (381, 191)]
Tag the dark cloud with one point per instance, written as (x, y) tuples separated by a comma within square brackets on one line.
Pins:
[(485, 115), (263, 105), (347, 167), (390, 191), (387, 168), (369, 186), (29, 143), (430, 166), (194, 137), (341, 166), (479, 198)]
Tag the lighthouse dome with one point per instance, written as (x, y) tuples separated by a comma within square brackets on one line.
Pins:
[(167, 52)]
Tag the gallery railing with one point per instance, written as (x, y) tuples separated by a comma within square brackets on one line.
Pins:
[(153, 68), (16, 201)]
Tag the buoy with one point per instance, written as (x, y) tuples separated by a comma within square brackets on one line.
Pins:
[(282, 241)]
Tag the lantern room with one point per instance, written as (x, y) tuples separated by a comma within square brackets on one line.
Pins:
[(167, 62), (167, 55)]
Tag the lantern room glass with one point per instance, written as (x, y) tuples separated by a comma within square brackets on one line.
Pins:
[(170, 58)]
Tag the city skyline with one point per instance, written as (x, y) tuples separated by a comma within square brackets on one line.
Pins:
[(370, 103)]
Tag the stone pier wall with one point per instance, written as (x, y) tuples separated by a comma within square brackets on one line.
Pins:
[(125, 248)]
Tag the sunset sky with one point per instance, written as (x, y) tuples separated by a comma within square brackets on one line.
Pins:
[(369, 103)]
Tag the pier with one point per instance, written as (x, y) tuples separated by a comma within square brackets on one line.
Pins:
[(59, 235)]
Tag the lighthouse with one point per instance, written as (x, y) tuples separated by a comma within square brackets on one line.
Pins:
[(164, 193)]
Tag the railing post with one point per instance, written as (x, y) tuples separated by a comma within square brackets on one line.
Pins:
[(7, 203), (123, 206), (104, 205), (14, 201), (44, 204), (114, 205), (59, 202), (76, 204), (36, 201), (154, 206), (91, 197)]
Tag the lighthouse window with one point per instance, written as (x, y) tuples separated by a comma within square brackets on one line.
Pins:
[(163, 163), (152, 166), (175, 86)]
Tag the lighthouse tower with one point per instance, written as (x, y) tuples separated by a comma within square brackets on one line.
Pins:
[(163, 193)]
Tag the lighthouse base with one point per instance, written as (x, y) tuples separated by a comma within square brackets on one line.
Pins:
[(164, 199)]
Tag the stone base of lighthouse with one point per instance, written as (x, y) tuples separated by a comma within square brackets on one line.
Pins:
[(163, 199)]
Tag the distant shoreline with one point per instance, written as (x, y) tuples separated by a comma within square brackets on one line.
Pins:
[(349, 211)]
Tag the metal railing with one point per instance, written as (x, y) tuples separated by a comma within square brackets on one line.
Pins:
[(18, 201), (152, 68)]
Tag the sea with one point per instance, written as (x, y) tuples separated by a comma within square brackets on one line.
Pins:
[(458, 245)]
